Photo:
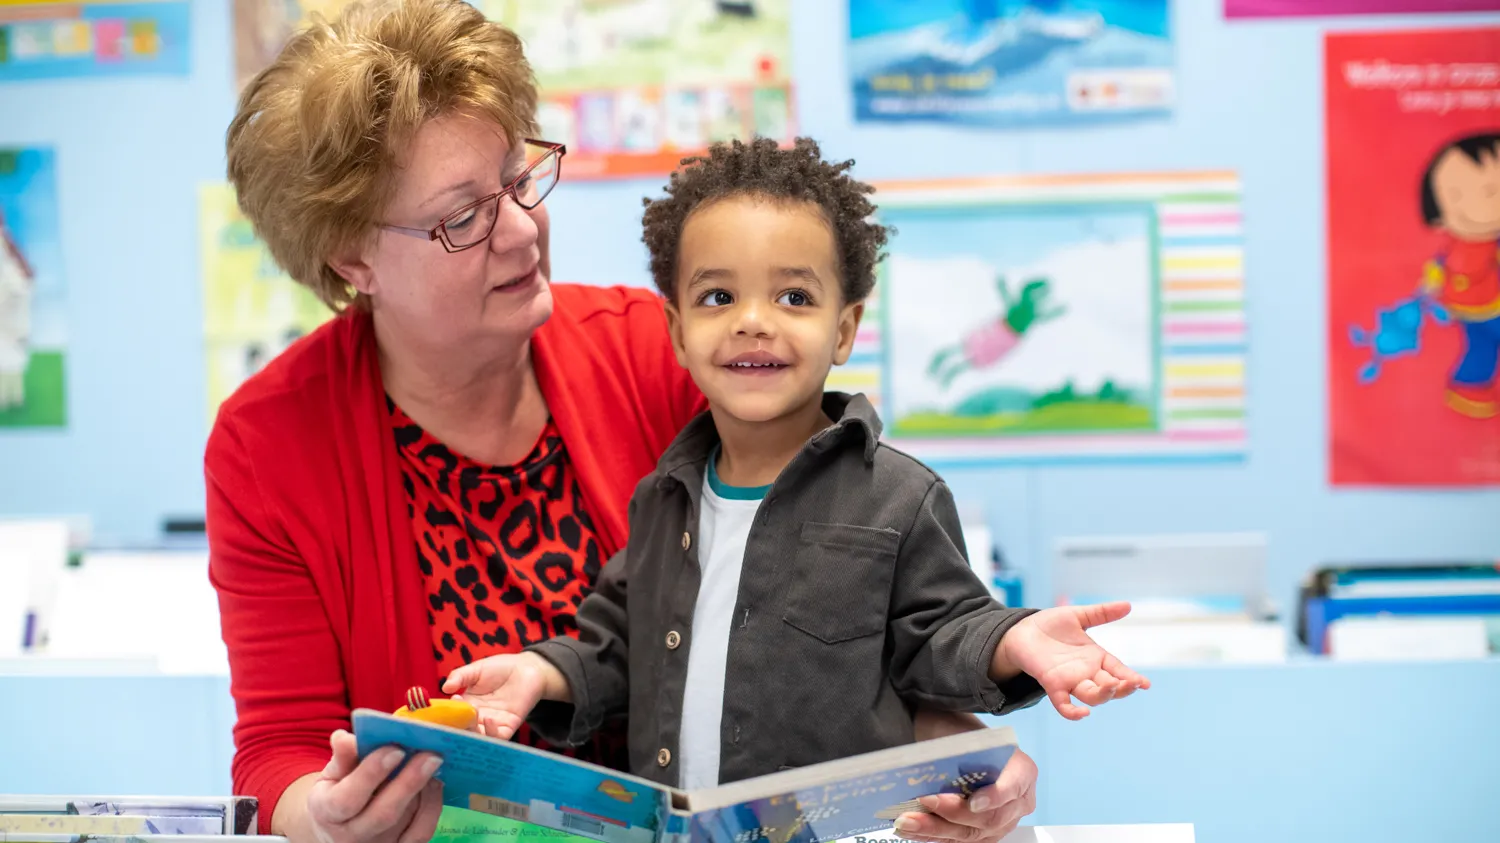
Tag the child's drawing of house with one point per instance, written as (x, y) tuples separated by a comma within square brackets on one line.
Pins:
[(17, 281)]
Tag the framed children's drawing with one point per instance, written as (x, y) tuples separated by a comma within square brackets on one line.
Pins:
[(1059, 318)]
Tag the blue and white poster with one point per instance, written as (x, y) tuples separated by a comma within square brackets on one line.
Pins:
[(1010, 62)]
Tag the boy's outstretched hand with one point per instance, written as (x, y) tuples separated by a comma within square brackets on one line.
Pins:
[(504, 689), (1052, 647)]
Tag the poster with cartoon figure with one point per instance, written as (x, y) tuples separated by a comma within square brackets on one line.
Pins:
[(33, 297), (1059, 318), (1413, 134)]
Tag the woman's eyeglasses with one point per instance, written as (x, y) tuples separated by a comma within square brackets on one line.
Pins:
[(471, 225)]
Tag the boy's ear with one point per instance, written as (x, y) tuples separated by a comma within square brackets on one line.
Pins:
[(674, 329), (848, 326)]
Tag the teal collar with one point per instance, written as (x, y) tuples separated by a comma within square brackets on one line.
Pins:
[(728, 492)]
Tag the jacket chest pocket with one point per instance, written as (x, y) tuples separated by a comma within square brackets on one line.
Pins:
[(841, 581)]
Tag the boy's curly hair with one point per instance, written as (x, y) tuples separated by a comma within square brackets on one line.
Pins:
[(761, 168)]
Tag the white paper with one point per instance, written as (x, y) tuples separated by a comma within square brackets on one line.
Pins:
[(1417, 638), (141, 605), (31, 552), (1145, 644)]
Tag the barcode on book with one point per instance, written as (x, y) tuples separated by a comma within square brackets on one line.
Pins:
[(499, 807), (573, 822)]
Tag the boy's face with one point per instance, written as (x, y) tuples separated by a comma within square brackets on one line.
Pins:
[(759, 318), (1468, 194)]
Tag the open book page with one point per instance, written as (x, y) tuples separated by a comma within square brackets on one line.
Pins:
[(530, 786), (851, 796)]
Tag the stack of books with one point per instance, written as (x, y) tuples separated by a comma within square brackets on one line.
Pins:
[(138, 819)]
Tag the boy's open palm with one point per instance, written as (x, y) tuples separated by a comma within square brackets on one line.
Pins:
[(504, 689), (1053, 648)]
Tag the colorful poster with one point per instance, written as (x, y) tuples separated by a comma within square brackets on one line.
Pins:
[(33, 295), (1302, 8), (252, 310), (261, 27), (993, 63), (630, 86), (1059, 318), (633, 86), (1413, 134), (51, 39)]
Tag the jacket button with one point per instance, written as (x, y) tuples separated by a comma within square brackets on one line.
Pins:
[(687, 540), (673, 640), (663, 757)]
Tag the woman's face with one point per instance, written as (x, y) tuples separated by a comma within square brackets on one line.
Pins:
[(495, 289)]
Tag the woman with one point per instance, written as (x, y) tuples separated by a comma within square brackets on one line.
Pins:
[(438, 473)]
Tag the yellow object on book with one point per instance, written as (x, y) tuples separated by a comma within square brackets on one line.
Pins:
[(456, 714)]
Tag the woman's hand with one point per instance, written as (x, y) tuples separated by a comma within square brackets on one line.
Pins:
[(991, 812), (351, 801), (988, 815)]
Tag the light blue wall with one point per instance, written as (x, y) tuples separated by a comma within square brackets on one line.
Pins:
[(131, 154)]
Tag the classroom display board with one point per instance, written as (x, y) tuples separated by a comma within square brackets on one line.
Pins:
[(1059, 318), (33, 295), (53, 39), (630, 86), (988, 63), (251, 310), (1413, 134)]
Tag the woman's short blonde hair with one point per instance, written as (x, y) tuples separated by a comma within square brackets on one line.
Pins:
[(318, 133)]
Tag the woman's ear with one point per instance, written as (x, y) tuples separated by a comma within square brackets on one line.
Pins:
[(351, 265), (848, 327)]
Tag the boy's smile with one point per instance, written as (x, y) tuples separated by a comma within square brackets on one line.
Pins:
[(759, 316), (756, 364)]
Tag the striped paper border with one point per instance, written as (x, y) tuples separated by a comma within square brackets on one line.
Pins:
[(1201, 315)]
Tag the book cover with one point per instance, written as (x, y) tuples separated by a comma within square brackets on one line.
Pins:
[(815, 804), (517, 782)]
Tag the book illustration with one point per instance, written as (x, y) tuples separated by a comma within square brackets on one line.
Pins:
[(964, 785), (515, 790)]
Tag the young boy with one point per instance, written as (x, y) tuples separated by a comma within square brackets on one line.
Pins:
[(793, 589)]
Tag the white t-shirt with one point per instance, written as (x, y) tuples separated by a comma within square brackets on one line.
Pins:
[(723, 528)]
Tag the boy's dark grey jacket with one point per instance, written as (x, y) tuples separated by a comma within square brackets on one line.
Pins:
[(856, 604)]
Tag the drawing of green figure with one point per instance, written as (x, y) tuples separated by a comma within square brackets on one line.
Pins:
[(990, 343)]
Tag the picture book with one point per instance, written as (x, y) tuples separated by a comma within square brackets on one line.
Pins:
[(813, 804)]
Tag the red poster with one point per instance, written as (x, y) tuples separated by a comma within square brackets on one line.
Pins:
[(1413, 134)]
